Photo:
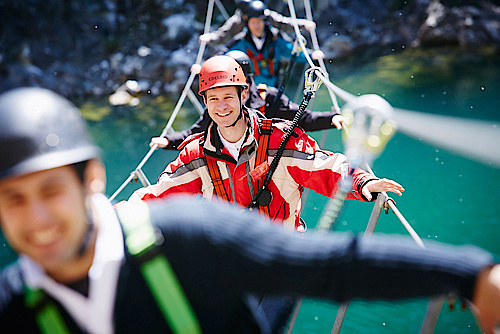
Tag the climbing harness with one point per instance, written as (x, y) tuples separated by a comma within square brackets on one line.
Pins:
[(265, 130), (264, 197), (259, 61), (142, 241)]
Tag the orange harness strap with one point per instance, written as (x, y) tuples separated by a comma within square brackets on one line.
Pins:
[(255, 62), (214, 172), (269, 61), (262, 153)]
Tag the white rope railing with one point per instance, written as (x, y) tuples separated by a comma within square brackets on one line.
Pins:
[(180, 102)]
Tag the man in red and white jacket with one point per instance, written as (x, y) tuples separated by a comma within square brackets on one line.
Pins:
[(231, 140)]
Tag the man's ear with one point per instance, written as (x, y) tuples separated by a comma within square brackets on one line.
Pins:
[(95, 177), (244, 94)]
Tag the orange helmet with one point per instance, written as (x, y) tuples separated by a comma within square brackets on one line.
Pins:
[(219, 71)]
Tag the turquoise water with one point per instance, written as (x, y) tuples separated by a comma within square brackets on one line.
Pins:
[(448, 198)]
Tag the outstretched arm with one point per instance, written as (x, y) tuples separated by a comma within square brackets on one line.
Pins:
[(226, 32), (172, 140), (337, 266)]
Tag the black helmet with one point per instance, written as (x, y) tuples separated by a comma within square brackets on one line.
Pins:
[(242, 59), (256, 8), (40, 130), (243, 4)]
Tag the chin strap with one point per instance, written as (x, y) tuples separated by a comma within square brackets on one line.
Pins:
[(239, 117)]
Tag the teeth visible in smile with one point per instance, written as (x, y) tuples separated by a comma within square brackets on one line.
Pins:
[(45, 237), (222, 115)]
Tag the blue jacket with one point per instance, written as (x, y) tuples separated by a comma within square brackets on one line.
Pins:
[(266, 62)]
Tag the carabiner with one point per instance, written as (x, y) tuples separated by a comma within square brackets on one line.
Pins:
[(311, 85)]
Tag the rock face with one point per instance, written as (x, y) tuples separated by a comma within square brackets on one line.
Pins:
[(92, 47)]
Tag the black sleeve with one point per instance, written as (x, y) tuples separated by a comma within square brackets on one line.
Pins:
[(309, 121), (176, 138), (250, 256)]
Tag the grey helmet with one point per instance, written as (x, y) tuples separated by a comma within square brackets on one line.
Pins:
[(40, 130), (242, 59)]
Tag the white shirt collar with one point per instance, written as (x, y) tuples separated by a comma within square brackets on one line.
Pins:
[(233, 148), (95, 313), (259, 42)]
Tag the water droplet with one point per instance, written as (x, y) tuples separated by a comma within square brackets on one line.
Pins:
[(403, 46), (444, 92), (482, 87), (422, 96), (383, 324), (411, 76), (472, 107), (460, 200), (95, 27), (437, 159), (316, 318), (52, 139)]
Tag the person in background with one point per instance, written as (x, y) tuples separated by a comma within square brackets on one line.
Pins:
[(85, 268), (237, 22), (266, 100), (265, 47)]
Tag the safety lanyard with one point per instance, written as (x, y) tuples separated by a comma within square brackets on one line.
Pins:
[(48, 317), (264, 197), (141, 241)]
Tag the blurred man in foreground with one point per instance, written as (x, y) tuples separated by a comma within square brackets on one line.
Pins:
[(182, 265)]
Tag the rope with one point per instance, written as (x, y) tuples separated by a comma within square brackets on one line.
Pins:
[(185, 91)]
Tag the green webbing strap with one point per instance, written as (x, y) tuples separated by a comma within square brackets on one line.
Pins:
[(48, 318), (140, 238)]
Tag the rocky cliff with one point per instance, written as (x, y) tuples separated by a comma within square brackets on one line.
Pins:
[(91, 47)]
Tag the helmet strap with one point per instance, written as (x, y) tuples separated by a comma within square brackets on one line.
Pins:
[(241, 110), (239, 117)]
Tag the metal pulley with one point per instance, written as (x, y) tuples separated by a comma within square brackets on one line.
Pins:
[(368, 128)]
